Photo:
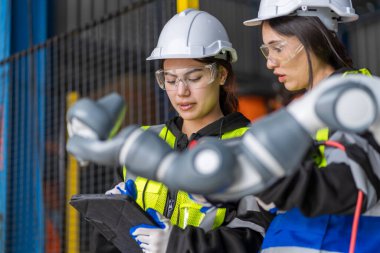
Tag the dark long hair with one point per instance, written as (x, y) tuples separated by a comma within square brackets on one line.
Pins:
[(228, 100), (316, 38)]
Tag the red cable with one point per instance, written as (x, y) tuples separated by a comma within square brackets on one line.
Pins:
[(359, 203), (335, 144), (355, 223)]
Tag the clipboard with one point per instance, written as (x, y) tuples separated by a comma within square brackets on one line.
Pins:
[(113, 216)]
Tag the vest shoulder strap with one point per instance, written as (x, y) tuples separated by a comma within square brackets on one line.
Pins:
[(163, 132), (363, 71), (321, 135), (235, 133)]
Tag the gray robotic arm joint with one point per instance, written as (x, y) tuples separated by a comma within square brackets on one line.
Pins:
[(272, 148), (275, 146)]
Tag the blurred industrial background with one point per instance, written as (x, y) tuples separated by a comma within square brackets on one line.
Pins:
[(54, 52)]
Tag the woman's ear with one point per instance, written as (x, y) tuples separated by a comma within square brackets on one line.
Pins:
[(223, 73)]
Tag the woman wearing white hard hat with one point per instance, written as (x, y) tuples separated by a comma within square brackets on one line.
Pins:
[(196, 74), (315, 205)]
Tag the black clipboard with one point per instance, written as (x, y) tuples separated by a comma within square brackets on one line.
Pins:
[(113, 216)]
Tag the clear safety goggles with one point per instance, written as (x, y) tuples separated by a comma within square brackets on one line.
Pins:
[(279, 52), (193, 77)]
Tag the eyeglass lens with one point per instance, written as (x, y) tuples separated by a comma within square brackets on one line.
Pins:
[(279, 52), (193, 78)]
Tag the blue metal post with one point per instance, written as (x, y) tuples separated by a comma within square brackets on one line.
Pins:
[(4, 88), (26, 234)]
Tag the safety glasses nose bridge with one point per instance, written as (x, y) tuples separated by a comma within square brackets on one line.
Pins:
[(180, 80)]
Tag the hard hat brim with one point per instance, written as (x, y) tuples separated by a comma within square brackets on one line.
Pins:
[(345, 18), (253, 22), (258, 21), (152, 58)]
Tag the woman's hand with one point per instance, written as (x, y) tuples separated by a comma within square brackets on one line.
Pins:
[(153, 239)]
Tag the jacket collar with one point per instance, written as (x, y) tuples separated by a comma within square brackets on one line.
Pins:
[(223, 125)]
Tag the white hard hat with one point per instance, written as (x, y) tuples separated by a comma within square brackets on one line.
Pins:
[(193, 34), (330, 12)]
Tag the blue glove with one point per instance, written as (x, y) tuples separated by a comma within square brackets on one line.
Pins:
[(125, 188), (153, 239)]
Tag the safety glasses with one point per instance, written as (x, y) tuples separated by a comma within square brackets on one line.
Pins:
[(193, 77), (280, 52)]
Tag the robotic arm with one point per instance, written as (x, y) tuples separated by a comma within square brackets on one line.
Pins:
[(271, 149), (96, 120)]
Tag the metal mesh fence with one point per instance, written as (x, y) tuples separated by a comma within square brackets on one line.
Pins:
[(39, 85), (363, 38)]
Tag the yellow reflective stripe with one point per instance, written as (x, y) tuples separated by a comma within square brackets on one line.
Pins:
[(219, 218), (365, 72), (362, 71), (176, 219), (322, 135), (151, 194), (167, 136), (235, 133), (164, 134), (189, 212), (140, 184)]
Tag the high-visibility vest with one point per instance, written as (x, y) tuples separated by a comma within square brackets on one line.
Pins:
[(186, 211)]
